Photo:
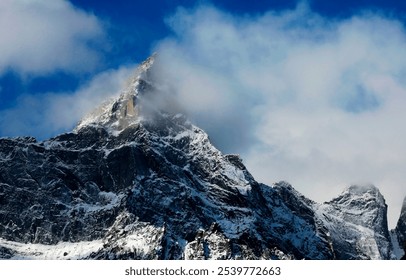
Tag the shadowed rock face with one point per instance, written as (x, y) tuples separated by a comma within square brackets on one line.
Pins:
[(401, 225), (399, 233), (134, 182)]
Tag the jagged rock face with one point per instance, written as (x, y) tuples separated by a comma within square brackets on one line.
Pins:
[(294, 224), (401, 225), (133, 181), (167, 187), (399, 233), (357, 222)]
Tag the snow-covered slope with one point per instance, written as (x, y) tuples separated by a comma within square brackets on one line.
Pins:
[(137, 181)]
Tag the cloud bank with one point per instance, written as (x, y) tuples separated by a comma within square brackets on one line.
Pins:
[(315, 101), (40, 36)]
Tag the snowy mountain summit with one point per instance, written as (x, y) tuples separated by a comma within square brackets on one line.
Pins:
[(124, 111), (137, 180)]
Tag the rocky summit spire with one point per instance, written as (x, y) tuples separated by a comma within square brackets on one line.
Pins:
[(123, 111)]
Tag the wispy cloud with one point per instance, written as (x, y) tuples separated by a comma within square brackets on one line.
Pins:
[(314, 101), (45, 115), (38, 37)]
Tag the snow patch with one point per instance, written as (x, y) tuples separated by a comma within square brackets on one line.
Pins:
[(60, 251)]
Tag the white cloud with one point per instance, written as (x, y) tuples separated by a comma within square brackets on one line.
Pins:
[(40, 36), (45, 115), (317, 102)]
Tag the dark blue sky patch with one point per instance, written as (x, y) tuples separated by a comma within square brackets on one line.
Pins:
[(10, 87), (133, 26), (347, 8), (13, 86)]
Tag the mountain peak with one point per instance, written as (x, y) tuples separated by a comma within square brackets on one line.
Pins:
[(360, 193), (125, 110), (362, 212), (362, 189)]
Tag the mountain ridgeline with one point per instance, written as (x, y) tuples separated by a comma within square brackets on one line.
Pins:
[(136, 181)]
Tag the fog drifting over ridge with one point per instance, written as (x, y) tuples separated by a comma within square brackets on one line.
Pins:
[(306, 99)]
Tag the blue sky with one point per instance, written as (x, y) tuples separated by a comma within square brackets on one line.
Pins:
[(309, 92)]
